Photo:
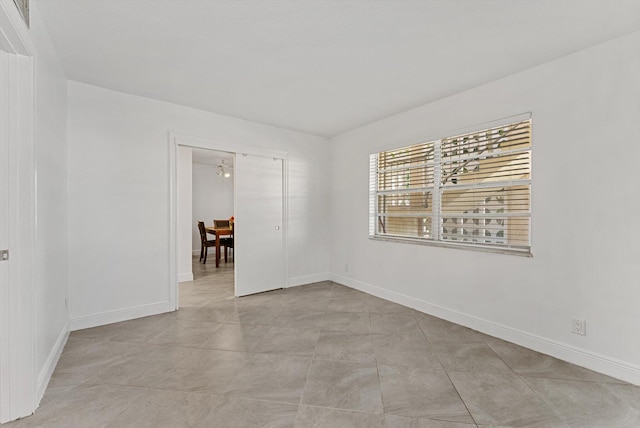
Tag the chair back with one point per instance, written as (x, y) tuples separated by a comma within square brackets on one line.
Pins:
[(223, 224), (203, 232)]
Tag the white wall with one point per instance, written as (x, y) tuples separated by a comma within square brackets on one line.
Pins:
[(184, 207), (586, 130), (212, 198), (119, 198), (51, 262)]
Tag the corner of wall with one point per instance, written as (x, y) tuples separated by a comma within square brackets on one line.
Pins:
[(44, 376)]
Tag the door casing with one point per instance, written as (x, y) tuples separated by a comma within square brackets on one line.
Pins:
[(176, 140)]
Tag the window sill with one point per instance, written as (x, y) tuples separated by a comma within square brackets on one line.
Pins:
[(457, 246)]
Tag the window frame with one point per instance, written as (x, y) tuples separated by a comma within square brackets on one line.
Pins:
[(438, 189)]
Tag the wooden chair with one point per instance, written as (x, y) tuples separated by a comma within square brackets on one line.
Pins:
[(223, 224), (227, 242), (204, 242)]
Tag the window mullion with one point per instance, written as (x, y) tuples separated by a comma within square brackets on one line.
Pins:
[(437, 189)]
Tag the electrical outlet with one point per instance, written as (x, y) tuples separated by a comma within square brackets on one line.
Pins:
[(579, 327), (346, 267)]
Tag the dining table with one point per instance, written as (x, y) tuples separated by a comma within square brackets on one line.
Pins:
[(218, 232)]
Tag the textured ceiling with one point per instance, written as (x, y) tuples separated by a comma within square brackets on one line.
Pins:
[(322, 67)]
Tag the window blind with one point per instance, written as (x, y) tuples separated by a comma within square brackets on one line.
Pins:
[(472, 189)]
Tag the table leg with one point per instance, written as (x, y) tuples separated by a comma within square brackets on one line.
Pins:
[(217, 250)]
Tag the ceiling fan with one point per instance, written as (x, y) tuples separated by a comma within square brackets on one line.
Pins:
[(223, 170)]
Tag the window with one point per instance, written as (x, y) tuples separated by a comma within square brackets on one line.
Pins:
[(469, 190)]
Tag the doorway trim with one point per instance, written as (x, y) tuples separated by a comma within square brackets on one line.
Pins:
[(18, 371), (175, 140)]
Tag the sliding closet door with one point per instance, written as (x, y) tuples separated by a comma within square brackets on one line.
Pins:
[(259, 253), (5, 342)]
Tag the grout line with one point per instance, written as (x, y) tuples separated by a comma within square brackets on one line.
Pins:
[(458, 392)]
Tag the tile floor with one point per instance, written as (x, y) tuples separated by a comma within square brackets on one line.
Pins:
[(320, 355)]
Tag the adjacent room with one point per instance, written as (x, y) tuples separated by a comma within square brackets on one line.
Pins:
[(350, 213)]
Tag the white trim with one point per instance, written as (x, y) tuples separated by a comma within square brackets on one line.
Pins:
[(618, 369), (13, 30), (110, 317), (52, 360), (285, 221), (511, 251), (184, 277), (172, 289), (308, 279), (222, 146)]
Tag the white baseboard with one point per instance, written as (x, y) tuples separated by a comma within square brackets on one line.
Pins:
[(94, 320), (308, 279), (52, 360), (613, 367), (184, 277), (195, 252)]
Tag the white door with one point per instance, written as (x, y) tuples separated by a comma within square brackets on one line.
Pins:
[(4, 240), (259, 253)]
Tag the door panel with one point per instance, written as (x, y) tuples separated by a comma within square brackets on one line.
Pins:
[(259, 234), (4, 239)]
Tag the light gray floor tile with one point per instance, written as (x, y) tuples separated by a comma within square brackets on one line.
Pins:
[(215, 312), (346, 321), (85, 363), (420, 392), (92, 406), (236, 337), (317, 289), (502, 399), (234, 412), (274, 299), (297, 318), (348, 304), (271, 377), (255, 315), (382, 306), (393, 324), (628, 393), (441, 329), (339, 291), (346, 346), (464, 357), (343, 385), (526, 362), (394, 421), (289, 341), (160, 408), (202, 370), (181, 369), (585, 404), (138, 330), (185, 333), (412, 351), (308, 302), (321, 417)]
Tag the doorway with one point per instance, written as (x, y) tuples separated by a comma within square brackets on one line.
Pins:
[(213, 199), (260, 211)]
